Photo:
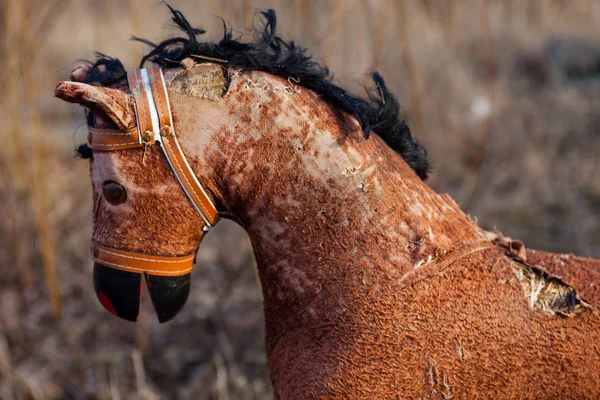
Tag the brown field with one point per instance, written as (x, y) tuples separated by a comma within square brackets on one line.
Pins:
[(516, 145)]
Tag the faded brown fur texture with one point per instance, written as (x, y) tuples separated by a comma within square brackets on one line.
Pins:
[(375, 287), (156, 219)]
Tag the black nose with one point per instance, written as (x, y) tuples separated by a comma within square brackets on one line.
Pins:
[(168, 294), (120, 292)]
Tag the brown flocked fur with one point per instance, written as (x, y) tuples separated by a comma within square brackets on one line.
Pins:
[(375, 287)]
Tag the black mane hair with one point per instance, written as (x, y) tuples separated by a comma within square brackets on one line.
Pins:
[(379, 113)]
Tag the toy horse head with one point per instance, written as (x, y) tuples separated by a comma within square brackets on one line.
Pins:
[(162, 146), (150, 210)]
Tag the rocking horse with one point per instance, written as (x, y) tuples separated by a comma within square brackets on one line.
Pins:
[(374, 286)]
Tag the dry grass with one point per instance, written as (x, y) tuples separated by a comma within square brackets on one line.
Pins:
[(514, 146), (548, 294)]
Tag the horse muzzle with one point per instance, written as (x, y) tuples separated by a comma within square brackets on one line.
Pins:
[(118, 281)]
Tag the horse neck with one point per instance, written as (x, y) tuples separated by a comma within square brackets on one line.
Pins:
[(321, 203)]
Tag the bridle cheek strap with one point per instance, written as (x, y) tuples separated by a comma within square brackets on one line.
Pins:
[(141, 263), (154, 124), (166, 136)]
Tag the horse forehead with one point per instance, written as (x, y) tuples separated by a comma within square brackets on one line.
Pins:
[(106, 165), (132, 168)]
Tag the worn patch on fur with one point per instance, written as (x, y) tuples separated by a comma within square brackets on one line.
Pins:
[(548, 293), (205, 81), (545, 292)]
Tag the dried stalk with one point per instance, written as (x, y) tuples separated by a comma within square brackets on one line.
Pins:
[(332, 37), (135, 9), (378, 22), (488, 129), (248, 14), (308, 21), (296, 18), (6, 387), (140, 372), (402, 18), (35, 167), (16, 160)]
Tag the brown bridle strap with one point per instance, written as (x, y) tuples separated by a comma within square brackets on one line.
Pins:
[(143, 110), (108, 139), (174, 153), (141, 263)]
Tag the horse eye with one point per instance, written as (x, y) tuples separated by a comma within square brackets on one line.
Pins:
[(114, 192)]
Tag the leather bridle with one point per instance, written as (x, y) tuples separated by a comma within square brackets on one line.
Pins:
[(154, 124)]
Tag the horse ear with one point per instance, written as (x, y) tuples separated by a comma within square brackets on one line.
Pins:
[(81, 71), (113, 103)]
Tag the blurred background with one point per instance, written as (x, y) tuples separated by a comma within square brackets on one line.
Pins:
[(503, 94)]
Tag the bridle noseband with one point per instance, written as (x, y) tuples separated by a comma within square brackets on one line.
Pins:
[(154, 124)]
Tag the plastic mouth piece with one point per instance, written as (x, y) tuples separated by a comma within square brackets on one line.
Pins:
[(120, 292), (168, 294)]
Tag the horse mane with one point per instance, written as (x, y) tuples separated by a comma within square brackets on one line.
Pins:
[(379, 112)]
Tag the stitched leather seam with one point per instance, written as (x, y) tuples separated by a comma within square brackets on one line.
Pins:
[(100, 130), (191, 187), (147, 259), (157, 97), (113, 145), (166, 272), (111, 133)]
